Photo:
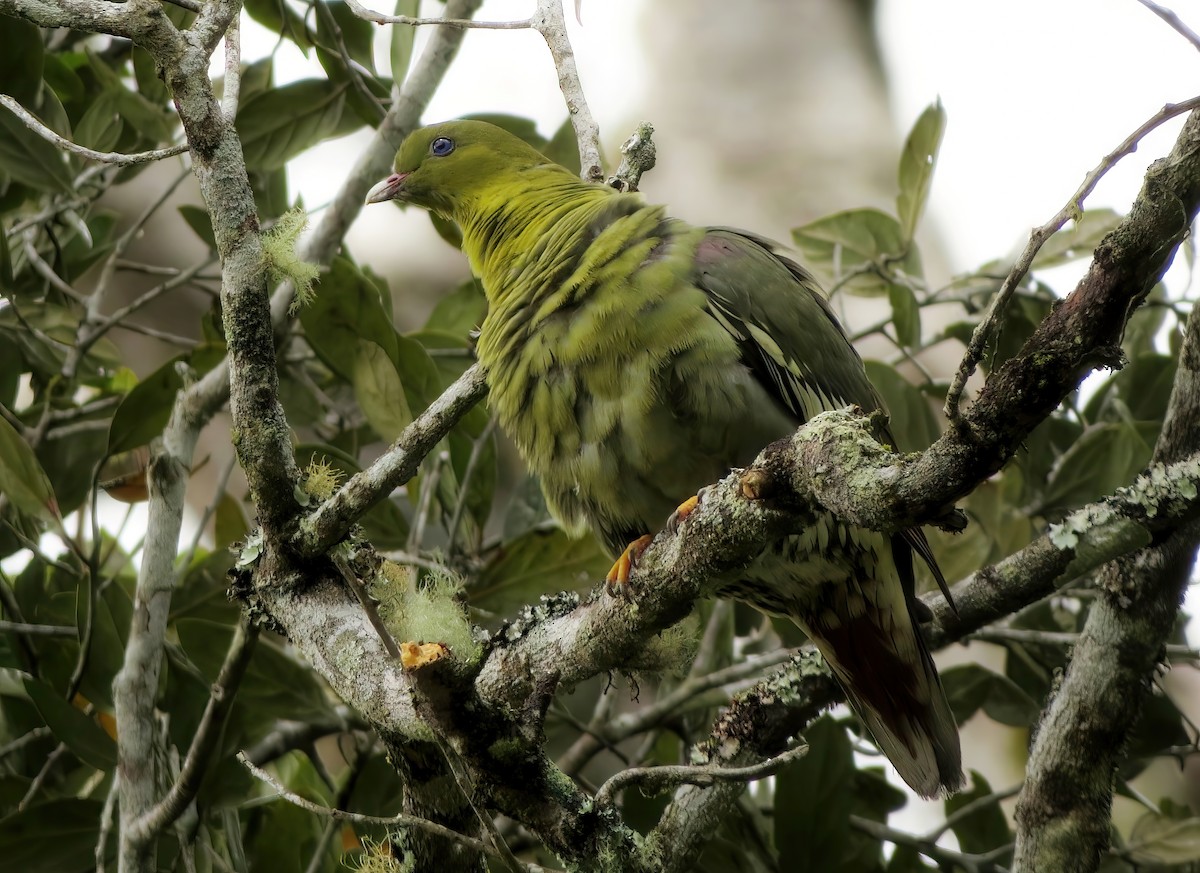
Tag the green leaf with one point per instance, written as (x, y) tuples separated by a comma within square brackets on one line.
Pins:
[(357, 34), (58, 836), (276, 685), (280, 123), (1158, 840), (401, 45), (230, 524), (563, 147), (100, 127), (379, 391), (198, 220), (917, 163), (145, 71), (25, 483), (21, 54), (813, 801), (86, 739), (347, 307), (970, 687), (145, 411), (460, 311), (857, 251), (277, 17), (539, 562), (984, 829), (1105, 457), (1078, 240), (912, 421), (906, 315), (29, 159)]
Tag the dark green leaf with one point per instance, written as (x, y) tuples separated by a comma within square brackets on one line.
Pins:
[(518, 126), (984, 829), (912, 421), (146, 409), (356, 33), (145, 70), (279, 124), (21, 56), (347, 307), (25, 483), (970, 687), (58, 836), (539, 562), (1103, 459), (917, 163), (276, 685), (198, 220), (29, 159), (813, 801), (231, 523), (277, 17), (101, 125), (385, 524), (86, 739), (854, 251), (379, 392), (563, 147), (460, 311), (906, 315)]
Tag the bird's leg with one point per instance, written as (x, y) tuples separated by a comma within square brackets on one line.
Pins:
[(616, 583)]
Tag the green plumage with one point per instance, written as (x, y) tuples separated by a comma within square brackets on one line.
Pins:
[(634, 358)]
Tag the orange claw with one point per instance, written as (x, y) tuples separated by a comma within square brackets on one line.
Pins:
[(682, 512), (616, 583)]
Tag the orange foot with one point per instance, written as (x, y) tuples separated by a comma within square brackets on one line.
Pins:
[(682, 512), (616, 583)]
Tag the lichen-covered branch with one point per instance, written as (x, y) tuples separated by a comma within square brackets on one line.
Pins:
[(1064, 810)]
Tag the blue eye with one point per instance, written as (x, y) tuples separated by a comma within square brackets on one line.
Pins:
[(441, 146)]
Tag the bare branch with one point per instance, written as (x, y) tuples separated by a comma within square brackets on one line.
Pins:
[(329, 523), (448, 22), (656, 780), (550, 23), (123, 160), (638, 157), (232, 83), (1173, 19), (1037, 238), (38, 630)]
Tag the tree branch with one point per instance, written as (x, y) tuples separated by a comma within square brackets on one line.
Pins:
[(550, 23), (122, 160)]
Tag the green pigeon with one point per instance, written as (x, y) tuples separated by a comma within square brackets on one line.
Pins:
[(634, 358)]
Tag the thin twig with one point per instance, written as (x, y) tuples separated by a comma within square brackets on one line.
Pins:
[(37, 630), (464, 484), (658, 779), (368, 604), (232, 86), (1173, 19), (399, 820), (117, 158), (550, 23), (931, 850), (1060, 638), (461, 23), (1037, 238)]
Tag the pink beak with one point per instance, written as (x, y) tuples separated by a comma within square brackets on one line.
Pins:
[(387, 189)]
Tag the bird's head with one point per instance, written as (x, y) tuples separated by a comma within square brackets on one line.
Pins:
[(446, 167)]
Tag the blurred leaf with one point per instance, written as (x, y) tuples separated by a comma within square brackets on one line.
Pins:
[(25, 483), (984, 829), (347, 307), (539, 562), (1143, 387), (912, 421), (100, 127), (400, 47), (906, 315), (276, 685), (58, 836), (523, 128), (270, 192), (1078, 240), (970, 687), (379, 392), (29, 159), (563, 147), (874, 799), (1105, 457), (198, 220), (230, 521), (356, 33), (858, 242), (813, 801), (21, 54), (447, 230), (917, 163), (1158, 840), (145, 411), (526, 508), (282, 122), (86, 739), (145, 70), (277, 17), (460, 311)]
